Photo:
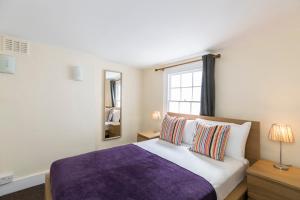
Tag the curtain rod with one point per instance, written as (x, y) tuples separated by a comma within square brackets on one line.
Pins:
[(183, 63)]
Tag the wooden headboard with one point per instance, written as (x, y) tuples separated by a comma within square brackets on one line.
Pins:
[(253, 143)]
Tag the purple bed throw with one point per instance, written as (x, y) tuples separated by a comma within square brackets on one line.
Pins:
[(126, 172)]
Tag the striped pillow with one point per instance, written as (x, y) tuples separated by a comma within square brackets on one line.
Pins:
[(172, 129), (211, 141)]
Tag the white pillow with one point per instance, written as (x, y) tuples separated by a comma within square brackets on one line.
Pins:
[(189, 132), (116, 115), (237, 140), (107, 112)]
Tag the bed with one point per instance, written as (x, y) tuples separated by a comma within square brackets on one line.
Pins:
[(112, 129), (225, 178), (112, 124)]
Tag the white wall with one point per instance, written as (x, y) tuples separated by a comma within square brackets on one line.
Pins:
[(257, 78), (152, 98), (44, 115)]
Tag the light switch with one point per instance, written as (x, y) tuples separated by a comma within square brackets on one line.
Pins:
[(7, 64)]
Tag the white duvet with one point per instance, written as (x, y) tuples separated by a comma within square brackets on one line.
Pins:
[(223, 176)]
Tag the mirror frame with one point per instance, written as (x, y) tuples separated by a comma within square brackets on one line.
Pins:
[(121, 82)]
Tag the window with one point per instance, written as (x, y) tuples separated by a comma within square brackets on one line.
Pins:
[(118, 93), (184, 91)]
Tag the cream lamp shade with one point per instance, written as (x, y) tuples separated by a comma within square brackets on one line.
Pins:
[(156, 115), (281, 133)]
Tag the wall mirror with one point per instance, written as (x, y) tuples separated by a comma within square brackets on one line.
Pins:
[(112, 104)]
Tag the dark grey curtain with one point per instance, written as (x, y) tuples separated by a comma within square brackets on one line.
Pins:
[(113, 93), (208, 86)]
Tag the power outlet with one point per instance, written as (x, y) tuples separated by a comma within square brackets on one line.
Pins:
[(6, 178)]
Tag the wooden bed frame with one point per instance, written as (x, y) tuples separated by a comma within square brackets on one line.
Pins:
[(252, 153)]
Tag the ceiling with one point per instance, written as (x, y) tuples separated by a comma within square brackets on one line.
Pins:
[(137, 33)]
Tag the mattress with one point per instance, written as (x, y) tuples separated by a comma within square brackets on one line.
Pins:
[(112, 123), (223, 176)]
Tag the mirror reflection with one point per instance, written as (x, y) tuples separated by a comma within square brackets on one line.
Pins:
[(112, 104)]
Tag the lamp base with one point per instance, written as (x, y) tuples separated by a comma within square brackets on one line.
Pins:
[(281, 166)]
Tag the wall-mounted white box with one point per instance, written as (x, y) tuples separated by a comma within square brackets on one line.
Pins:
[(7, 64), (77, 73)]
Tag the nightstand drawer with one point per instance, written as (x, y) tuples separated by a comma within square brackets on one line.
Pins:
[(262, 189)]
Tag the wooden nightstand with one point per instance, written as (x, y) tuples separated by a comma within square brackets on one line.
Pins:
[(268, 183), (148, 135)]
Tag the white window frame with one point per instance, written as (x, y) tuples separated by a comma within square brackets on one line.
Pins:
[(197, 66), (118, 93)]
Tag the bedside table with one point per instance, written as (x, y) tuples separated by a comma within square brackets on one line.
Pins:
[(268, 183), (148, 135)]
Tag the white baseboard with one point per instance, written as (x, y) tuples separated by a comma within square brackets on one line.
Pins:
[(23, 183)]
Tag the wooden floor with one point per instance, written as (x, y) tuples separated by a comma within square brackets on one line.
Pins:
[(34, 193)]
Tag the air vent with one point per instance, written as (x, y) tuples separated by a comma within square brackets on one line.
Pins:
[(13, 46)]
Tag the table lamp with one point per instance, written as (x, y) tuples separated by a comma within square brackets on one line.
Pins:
[(156, 116), (281, 133)]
